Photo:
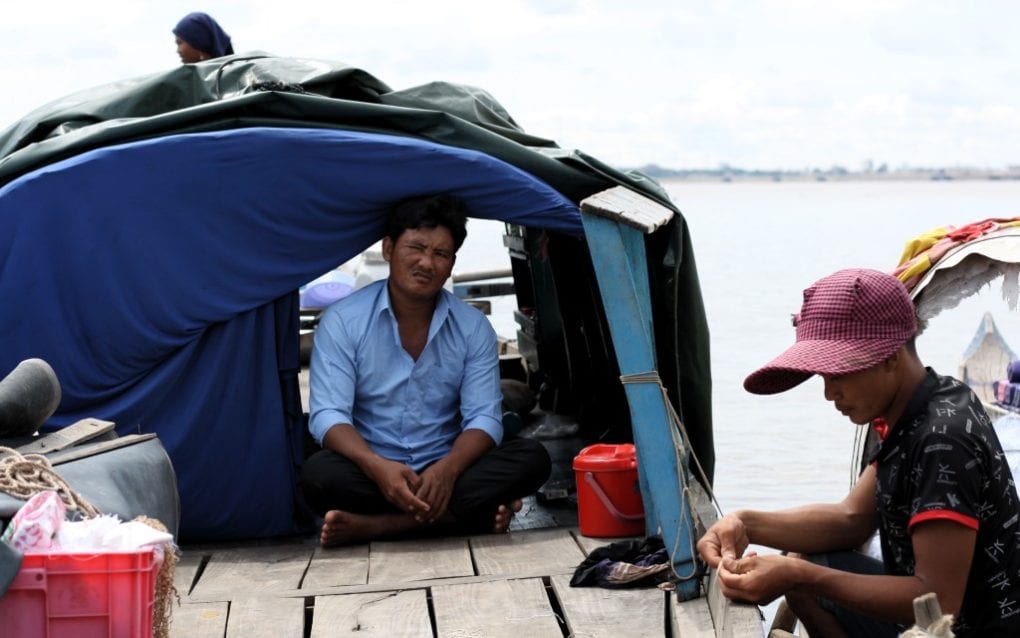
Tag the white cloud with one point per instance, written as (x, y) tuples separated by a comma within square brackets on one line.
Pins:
[(771, 84)]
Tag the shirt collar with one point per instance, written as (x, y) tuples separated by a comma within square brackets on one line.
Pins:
[(439, 315), (916, 406)]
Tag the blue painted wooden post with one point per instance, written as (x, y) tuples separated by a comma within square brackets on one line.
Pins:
[(618, 253)]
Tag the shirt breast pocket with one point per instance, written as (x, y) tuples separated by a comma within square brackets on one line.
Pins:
[(444, 384)]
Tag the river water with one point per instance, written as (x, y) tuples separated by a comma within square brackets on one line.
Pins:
[(758, 245)]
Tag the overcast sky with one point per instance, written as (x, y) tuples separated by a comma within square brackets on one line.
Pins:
[(772, 85)]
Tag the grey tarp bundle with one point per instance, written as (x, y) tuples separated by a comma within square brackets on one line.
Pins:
[(135, 479)]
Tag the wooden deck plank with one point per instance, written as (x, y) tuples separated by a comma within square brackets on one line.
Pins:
[(408, 561), (337, 566), (249, 571), (495, 609), (732, 619), (595, 612), (186, 569), (691, 618), (199, 620), (266, 618), (264, 580), (590, 543), (397, 614), (536, 553), (74, 434)]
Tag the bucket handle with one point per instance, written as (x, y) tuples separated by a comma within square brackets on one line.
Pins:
[(590, 479)]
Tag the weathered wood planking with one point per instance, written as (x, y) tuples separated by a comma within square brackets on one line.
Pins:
[(494, 609), (396, 614), (627, 207), (74, 434), (381, 590), (186, 569), (251, 571), (732, 619), (337, 566), (589, 543), (536, 553), (199, 620), (595, 612), (408, 561), (691, 618), (266, 617)]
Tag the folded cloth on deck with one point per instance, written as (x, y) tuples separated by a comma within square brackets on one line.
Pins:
[(634, 563)]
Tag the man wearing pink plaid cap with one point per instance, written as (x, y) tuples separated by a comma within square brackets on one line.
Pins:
[(937, 489)]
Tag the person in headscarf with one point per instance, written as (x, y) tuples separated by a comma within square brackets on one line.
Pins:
[(200, 38)]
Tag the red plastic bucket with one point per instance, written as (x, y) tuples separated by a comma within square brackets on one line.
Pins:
[(608, 493)]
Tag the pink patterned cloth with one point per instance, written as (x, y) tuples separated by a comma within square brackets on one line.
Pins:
[(35, 525)]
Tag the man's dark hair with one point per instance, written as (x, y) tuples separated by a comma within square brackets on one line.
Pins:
[(429, 211)]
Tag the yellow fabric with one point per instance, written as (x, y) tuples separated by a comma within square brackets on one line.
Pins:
[(916, 260), (916, 269), (916, 250), (923, 242)]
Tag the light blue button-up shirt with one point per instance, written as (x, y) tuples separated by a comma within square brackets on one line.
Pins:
[(406, 410)]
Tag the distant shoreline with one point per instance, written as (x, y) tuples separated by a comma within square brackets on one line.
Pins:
[(834, 175)]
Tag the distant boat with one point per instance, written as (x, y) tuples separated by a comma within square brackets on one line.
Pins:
[(968, 259), (985, 364)]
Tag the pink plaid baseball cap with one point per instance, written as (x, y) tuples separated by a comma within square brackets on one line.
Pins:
[(850, 321)]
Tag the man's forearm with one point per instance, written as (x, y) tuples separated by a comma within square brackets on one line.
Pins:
[(468, 447), (807, 530), (885, 597), (345, 440), (820, 527)]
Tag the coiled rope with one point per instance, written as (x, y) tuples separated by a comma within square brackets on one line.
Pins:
[(25, 476)]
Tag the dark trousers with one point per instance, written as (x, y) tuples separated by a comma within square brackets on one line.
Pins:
[(853, 623), (514, 469)]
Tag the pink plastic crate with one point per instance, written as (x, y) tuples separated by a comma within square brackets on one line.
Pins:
[(81, 596)]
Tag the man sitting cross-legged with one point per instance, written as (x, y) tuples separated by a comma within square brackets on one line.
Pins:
[(405, 399)]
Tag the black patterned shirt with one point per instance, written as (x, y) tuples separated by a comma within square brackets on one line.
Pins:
[(943, 460)]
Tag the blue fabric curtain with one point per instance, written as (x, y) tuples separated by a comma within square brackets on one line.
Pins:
[(158, 279)]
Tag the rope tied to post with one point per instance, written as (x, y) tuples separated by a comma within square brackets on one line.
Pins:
[(681, 445)]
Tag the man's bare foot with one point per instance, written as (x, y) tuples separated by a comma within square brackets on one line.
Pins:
[(505, 514), (340, 527)]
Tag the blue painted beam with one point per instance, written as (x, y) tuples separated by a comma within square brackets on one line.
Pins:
[(618, 254)]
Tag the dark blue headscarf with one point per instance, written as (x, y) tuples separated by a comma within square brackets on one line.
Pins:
[(205, 34)]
